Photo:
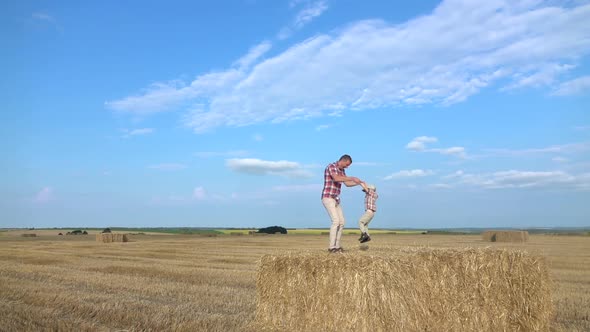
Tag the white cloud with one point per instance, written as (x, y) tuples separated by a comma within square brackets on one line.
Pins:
[(168, 167), (322, 127), (582, 128), (440, 58), (199, 193), (257, 137), (254, 54), (310, 12), (457, 174), (541, 75), (560, 159), (409, 174), (578, 86), (418, 143), (441, 186), (264, 167), (456, 151), (136, 132), (46, 19), (303, 17), (560, 148), (527, 179), (43, 17), (44, 195)]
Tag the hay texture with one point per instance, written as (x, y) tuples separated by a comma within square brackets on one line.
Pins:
[(404, 290), (505, 236), (111, 237)]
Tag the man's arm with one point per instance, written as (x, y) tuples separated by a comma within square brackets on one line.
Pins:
[(349, 181), (352, 183)]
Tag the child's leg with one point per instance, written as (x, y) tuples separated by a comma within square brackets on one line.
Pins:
[(371, 214), (365, 220)]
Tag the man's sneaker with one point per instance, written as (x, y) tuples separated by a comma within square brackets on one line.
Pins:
[(339, 250), (366, 239), (332, 250)]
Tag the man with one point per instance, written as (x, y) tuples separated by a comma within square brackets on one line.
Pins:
[(334, 176)]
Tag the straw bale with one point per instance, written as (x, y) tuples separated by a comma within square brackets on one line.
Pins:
[(111, 237), (408, 289), (236, 233), (505, 236), (29, 235)]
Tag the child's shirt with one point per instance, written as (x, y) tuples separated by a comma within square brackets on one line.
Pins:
[(371, 200)]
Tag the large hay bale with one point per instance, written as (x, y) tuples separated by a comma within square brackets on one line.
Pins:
[(29, 235), (419, 289), (505, 236), (111, 237)]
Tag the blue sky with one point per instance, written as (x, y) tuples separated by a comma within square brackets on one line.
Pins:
[(225, 113)]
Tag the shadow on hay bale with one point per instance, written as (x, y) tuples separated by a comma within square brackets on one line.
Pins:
[(416, 289), (505, 236)]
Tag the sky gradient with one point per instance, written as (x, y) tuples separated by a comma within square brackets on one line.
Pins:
[(225, 113)]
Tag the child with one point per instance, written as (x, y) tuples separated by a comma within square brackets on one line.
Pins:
[(370, 209)]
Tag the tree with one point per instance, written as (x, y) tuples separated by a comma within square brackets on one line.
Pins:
[(273, 230)]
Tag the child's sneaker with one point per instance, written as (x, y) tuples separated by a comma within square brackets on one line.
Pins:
[(366, 239)]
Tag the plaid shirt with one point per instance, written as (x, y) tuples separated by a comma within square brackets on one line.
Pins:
[(331, 187), (371, 200)]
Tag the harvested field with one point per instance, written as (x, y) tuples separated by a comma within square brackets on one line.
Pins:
[(194, 283)]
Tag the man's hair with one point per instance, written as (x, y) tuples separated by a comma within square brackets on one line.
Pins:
[(345, 158)]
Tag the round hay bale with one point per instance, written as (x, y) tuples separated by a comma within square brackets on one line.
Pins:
[(411, 289), (29, 235)]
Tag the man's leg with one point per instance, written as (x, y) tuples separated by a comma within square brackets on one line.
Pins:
[(340, 228), (330, 205)]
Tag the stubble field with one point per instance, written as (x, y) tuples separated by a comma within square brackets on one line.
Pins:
[(198, 283)]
